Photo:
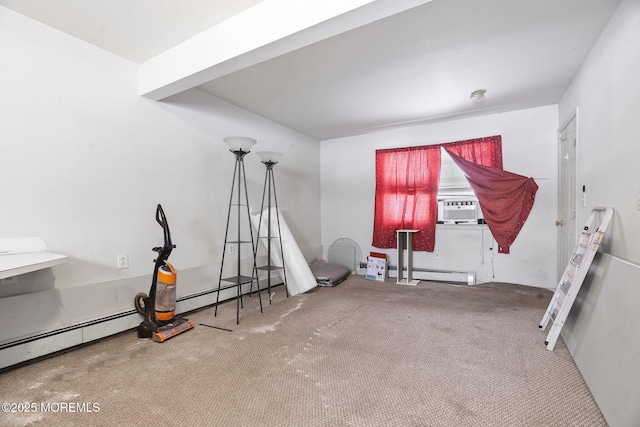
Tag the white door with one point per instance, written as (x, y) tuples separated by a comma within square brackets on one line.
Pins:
[(566, 222)]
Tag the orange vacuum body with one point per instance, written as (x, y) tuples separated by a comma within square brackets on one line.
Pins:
[(165, 304)]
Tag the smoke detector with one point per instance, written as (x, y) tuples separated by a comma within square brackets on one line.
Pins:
[(478, 95)]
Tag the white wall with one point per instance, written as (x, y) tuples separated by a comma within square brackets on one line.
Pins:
[(606, 93), (602, 329), (84, 160), (529, 144)]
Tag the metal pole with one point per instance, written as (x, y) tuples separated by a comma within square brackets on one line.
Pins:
[(284, 268), (226, 234), (238, 285)]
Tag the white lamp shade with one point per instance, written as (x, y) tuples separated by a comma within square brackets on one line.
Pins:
[(240, 143), (269, 156)]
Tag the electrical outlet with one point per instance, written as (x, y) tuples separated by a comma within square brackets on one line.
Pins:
[(231, 249), (123, 261)]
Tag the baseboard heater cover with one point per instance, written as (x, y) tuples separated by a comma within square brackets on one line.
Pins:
[(34, 346)]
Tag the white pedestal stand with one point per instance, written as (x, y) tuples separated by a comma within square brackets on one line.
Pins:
[(405, 241)]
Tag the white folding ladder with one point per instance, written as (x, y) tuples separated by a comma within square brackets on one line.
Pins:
[(575, 272)]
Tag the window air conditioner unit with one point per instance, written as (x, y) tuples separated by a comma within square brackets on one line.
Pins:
[(460, 211)]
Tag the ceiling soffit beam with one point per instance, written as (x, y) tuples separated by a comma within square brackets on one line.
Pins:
[(267, 30)]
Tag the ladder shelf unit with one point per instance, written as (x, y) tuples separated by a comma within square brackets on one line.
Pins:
[(575, 273)]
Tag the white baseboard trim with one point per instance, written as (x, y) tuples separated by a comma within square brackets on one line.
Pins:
[(24, 349)]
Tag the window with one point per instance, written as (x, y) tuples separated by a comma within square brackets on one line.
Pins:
[(457, 203), (407, 183), (453, 184), (455, 189)]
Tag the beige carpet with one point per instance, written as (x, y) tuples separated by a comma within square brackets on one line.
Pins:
[(360, 354)]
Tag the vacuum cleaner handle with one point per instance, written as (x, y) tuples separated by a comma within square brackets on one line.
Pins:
[(164, 251)]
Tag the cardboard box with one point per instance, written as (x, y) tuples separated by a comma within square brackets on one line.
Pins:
[(376, 267)]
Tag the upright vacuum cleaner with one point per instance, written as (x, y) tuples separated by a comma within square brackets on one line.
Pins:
[(159, 307)]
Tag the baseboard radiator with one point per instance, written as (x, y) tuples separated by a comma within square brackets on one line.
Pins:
[(468, 277), (36, 346)]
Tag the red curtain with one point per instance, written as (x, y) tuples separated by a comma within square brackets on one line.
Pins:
[(407, 195), (505, 198), (483, 151)]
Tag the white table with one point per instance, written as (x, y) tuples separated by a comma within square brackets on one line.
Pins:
[(26, 254), (405, 242)]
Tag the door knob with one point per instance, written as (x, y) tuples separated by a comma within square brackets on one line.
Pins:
[(559, 222)]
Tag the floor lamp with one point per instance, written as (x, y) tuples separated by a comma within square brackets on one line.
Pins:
[(240, 146), (270, 159)]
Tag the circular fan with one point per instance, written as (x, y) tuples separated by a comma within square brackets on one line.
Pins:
[(345, 252)]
